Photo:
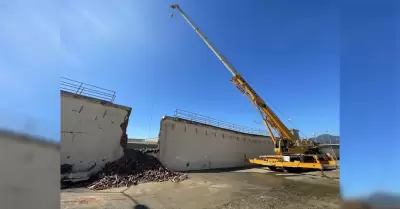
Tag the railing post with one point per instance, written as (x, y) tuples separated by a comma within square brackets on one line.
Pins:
[(78, 88)]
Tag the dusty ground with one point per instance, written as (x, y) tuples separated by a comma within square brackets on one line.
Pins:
[(249, 188)]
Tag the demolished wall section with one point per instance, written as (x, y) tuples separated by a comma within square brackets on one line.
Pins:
[(186, 146), (93, 132)]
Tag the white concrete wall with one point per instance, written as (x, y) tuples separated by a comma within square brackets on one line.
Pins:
[(185, 146), (90, 134), (29, 172)]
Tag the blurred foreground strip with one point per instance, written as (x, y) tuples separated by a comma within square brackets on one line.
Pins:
[(374, 201), (30, 172)]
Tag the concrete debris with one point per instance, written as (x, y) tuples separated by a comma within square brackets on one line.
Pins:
[(133, 168), (149, 150)]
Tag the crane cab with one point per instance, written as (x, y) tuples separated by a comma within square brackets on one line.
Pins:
[(281, 146), (285, 147)]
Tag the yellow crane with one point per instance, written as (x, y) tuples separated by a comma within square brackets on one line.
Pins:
[(290, 152)]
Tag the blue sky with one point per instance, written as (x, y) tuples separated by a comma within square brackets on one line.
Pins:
[(138, 51), (289, 51), (369, 96)]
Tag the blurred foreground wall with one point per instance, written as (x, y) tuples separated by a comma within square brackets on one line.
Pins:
[(30, 172)]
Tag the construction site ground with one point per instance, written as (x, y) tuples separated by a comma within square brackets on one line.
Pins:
[(244, 188)]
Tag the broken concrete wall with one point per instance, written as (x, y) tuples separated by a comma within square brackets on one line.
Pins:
[(185, 146), (93, 132), (30, 172)]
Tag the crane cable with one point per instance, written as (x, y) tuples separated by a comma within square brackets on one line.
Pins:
[(270, 104)]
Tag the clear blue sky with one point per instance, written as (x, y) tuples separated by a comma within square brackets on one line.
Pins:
[(289, 51), (369, 96)]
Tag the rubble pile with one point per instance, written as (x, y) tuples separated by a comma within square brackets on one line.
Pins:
[(132, 169)]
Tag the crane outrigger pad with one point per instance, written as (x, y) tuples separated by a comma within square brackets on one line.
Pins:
[(296, 162)]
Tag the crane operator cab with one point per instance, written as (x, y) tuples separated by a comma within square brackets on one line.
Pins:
[(282, 146), (287, 147)]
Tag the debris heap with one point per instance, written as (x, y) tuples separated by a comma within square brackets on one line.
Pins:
[(133, 168), (148, 150)]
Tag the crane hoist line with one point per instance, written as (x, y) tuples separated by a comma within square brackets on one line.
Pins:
[(291, 153)]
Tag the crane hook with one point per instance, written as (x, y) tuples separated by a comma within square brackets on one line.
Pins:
[(172, 8)]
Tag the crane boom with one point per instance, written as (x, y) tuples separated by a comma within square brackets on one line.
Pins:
[(269, 117), (209, 44)]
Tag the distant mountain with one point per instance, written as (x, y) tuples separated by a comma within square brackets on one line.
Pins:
[(326, 139), (374, 201), (383, 199)]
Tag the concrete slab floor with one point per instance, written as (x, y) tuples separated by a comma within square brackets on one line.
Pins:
[(247, 188)]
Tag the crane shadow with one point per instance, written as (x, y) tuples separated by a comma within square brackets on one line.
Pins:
[(137, 204), (140, 207)]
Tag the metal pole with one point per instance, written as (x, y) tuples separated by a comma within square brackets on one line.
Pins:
[(78, 88), (151, 116), (333, 151)]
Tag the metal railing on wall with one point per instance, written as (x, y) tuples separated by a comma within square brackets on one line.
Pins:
[(182, 114), (85, 89)]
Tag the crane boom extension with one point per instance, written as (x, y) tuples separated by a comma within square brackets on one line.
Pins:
[(269, 117)]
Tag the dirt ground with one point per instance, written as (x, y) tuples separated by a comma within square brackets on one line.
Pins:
[(247, 188)]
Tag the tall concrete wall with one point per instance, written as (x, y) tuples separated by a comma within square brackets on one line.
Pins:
[(30, 172), (93, 132), (185, 146)]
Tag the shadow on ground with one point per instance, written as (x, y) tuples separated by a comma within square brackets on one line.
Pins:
[(137, 204), (140, 207), (223, 170)]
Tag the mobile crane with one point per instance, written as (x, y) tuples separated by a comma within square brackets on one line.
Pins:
[(291, 154)]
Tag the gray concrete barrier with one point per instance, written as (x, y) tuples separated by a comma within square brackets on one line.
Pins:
[(29, 173)]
